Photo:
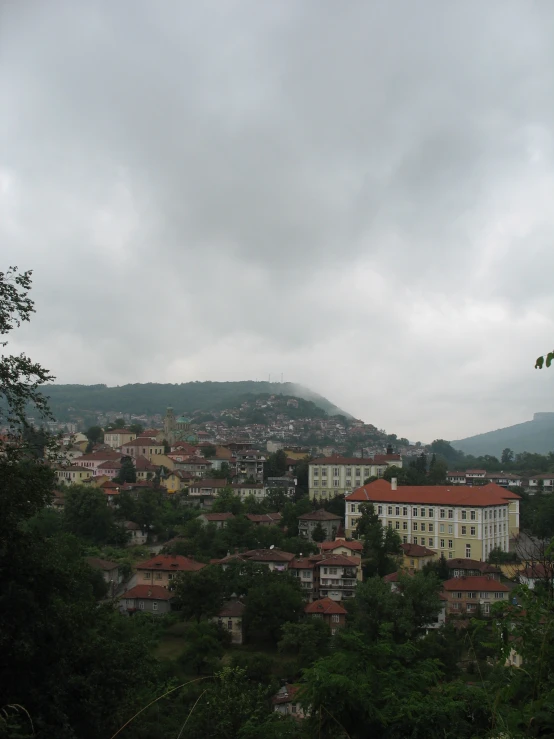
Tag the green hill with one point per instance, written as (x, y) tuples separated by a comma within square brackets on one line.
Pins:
[(149, 398), (531, 436)]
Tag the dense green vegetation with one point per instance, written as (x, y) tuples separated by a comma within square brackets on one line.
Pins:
[(523, 463)]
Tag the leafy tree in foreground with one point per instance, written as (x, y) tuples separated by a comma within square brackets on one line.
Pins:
[(272, 601), (308, 640), (127, 473), (318, 533), (200, 594), (94, 434), (381, 546), (86, 515), (204, 648)]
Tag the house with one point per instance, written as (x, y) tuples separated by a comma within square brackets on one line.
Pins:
[(205, 490), (249, 464), (117, 437), (504, 479), (245, 490), (109, 469), (110, 572), (176, 481), (457, 521), (275, 559), (341, 546), (163, 568), (472, 475), (329, 522), (230, 618), (153, 599), (265, 519), (219, 520), (197, 466), (94, 460), (332, 613), (142, 447), (58, 500), (285, 483), (541, 482), (286, 702), (137, 537), (73, 475), (144, 468), (536, 572), (337, 576), (416, 556), (336, 475), (466, 595), (303, 568), (456, 478), (472, 568)]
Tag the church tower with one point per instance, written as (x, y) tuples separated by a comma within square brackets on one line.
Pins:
[(169, 426)]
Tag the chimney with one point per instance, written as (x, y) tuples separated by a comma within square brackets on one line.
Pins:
[(394, 483)]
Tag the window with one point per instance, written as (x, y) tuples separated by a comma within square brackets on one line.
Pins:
[(358, 472), (486, 530), (348, 471), (352, 508), (450, 544), (141, 605), (389, 524), (450, 555), (335, 471), (450, 513), (412, 562), (414, 526), (458, 595), (499, 596), (404, 511), (472, 596), (464, 530), (431, 513), (485, 515), (147, 575), (431, 528), (423, 527), (170, 575), (336, 483), (336, 618), (348, 481), (333, 632), (229, 625), (316, 472), (455, 606), (158, 575), (423, 513), (332, 570), (405, 525), (414, 511), (397, 511), (464, 515), (442, 543), (404, 540), (472, 515), (306, 574), (324, 472), (380, 510), (366, 472), (154, 605), (468, 551), (472, 531), (397, 525), (471, 607), (389, 510), (441, 513), (450, 528), (441, 528), (486, 607), (415, 539)]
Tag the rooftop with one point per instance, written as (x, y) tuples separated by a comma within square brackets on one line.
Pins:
[(326, 606), (148, 592), (171, 563), (319, 515), (380, 491), (480, 583), (416, 550), (101, 564)]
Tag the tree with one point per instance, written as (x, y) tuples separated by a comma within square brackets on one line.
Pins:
[(308, 640), (94, 434), (203, 649), (148, 509), (276, 464), (87, 515), (200, 594), (381, 546), (136, 428), (227, 502), (437, 472), (274, 600), (209, 451), (507, 456), (127, 472), (318, 533)]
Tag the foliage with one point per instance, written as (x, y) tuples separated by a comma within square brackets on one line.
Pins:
[(86, 515), (309, 640), (318, 533), (200, 594), (276, 464), (381, 546), (127, 473), (204, 648), (274, 599), (94, 434)]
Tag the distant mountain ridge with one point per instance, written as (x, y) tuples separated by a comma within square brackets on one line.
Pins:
[(530, 436), (150, 398)]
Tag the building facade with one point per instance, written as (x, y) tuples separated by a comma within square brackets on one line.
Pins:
[(329, 522), (249, 464), (469, 595), (331, 476), (117, 437), (457, 521)]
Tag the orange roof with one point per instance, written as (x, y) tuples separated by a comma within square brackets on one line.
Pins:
[(340, 560), (325, 606), (480, 582), (380, 491), (416, 550), (148, 592), (171, 563), (355, 546)]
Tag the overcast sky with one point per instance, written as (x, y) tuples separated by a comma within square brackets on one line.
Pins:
[(358, 195)]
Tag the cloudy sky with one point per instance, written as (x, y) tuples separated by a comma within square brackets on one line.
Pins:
[(358, 195)]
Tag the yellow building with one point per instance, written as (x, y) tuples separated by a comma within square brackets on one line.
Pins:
[(331, 476), (416, 556), (73, 475), (116, 437), (456, 521), (143, 447)]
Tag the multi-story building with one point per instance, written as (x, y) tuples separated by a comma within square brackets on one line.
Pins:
[(287, 484), (469, 477), (246, 490), (416, 556), (336, 576), (249, 464), (73, 475), (116, 437), (329, 522), (331, 476), (465, 595), (163, 568), (142, 447), (331, 612), (457, 521)]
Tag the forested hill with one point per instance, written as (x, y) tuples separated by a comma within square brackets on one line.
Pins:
[(531, 436), (151, 398)]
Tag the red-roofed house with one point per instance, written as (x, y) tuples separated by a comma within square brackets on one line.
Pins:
[(144, 468), (265, 519), (230, 618), (153, 599), (465, 595), (416, 556), (336, 576), (336, 475), (332, 613), (163, 568), (457, 521), (536, 572), (285, 702), (329, 522), (342, 546), (142, 447)]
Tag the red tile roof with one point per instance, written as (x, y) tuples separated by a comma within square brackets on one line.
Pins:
[(478, 583), (340, 560), (304, 563), (416, 550), (148, 592), (325, 606), (111, 465), (208, 482), (101, 564), (286, 697), (232, 609), (171, 563), (217, 516), (119, 431), (143, 441), (355, 546), (380, 491), (471, 564), (359, 461), (319, 515), (142, 464), (274, 518), (537, 570)]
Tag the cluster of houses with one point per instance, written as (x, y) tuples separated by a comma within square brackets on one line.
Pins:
[(529, 483)]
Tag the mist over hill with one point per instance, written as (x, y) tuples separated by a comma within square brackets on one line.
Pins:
[(150, 398), (530, 436)]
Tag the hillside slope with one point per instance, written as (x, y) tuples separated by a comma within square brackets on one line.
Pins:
[(151, 398), (531, 436)]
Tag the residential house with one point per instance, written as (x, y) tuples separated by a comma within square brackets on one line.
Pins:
[(163, 568), (73, 475), (249, 464), (118, 437), (475, 475), (109, 470), (456, 478), (285, 483), (144, 468), (303, 568), (230, 618), (154, 599), (176, 481), (110, 572), (265, 519), (204, 491), (246, 490), (197, 466), (137, 537), (275, 559), (472, 568), (457, 521), (416, 556), (335, 475), (111, 489), (286, 702), (58, 500), (329, 522), (219, 520), (332, 613), (543, 482), (337, 576), (342, 546), (536, 572), (95, 460), (504, 479), (466, 595), (142, 447)]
